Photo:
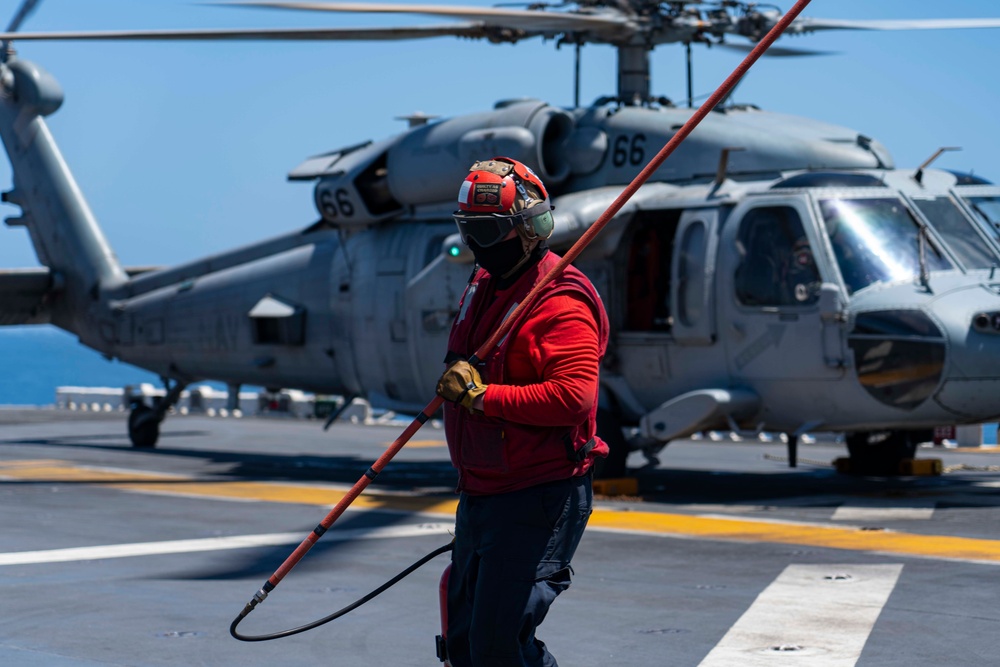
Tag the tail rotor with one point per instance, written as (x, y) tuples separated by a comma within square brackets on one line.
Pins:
[(23, 12)]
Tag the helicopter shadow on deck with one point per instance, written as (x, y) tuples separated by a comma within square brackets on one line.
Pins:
[(678, 486), (333, 468), (436, 478)]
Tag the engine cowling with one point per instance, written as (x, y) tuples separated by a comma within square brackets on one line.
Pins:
[(427, 165)]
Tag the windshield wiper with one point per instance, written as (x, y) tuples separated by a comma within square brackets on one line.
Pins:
[(925, 275)]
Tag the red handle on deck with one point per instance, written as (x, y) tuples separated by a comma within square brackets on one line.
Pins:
[(570, 255)]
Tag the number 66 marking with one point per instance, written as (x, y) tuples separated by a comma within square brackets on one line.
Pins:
[(333, 204), (629, 150)]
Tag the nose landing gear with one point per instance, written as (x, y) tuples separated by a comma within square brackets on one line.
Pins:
[(884, 452)]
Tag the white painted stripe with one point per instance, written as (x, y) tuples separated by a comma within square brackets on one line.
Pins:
[(856, 513), (809, 615), (213, 544)]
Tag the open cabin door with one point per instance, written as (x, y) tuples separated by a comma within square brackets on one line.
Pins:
[(693, 280), (667, 269)]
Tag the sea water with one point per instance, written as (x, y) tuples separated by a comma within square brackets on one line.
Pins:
[(34, 360)]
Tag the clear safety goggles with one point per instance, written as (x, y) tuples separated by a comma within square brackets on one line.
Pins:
[(488, 229)]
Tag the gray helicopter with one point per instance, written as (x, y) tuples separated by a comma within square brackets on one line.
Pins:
[(776, 274)]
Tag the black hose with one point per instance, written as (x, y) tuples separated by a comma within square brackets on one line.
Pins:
[(337, 614)]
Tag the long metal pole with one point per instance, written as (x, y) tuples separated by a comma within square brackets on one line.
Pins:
[(528, 301)]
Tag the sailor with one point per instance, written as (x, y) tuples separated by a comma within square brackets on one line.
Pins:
[(520, 424)]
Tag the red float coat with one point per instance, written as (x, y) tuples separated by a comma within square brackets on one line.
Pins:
[(540, 407)]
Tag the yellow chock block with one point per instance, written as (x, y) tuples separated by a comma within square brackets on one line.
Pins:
[(617, 486), (916, 467), (921, 467)]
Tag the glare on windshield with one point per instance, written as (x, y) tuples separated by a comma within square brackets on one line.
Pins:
[(876, 240)]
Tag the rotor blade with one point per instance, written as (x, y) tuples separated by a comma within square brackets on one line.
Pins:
[(776, 51), (23, 12), (525, 19), (276, 34), (810, 24)]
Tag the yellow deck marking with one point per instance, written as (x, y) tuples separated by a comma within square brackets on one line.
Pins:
[(61, 471), (603, 519), (420, 443), (833, 537)]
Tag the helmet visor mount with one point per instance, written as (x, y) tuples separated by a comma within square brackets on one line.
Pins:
[(488, 229)]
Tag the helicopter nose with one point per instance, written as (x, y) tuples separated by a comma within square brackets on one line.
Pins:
[(972, 381), (899, 355), (987, 322)]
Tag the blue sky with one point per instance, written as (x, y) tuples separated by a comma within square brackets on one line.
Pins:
[(182, 149)]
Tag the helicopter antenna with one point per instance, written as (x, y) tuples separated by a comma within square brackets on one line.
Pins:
[(918, 175), (576, 75), (23, 12), (690, 76), (732, 91)]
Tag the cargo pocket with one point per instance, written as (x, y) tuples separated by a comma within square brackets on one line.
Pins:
[(554, 577)]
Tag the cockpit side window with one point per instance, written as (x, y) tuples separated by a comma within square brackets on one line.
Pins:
[(777, 267), (878, 240), (988, 211), (958, 231)]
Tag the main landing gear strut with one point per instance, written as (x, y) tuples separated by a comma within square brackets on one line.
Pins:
[(883, 452), (144, 421)]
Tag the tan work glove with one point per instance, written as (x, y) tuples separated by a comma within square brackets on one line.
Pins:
[(460, 384)]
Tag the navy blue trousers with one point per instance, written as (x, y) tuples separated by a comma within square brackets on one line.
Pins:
[(511, 559)]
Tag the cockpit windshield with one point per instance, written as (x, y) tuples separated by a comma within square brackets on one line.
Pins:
[(958, 231), (988, 211), (877, 240)]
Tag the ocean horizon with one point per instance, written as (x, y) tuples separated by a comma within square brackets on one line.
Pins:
[(34, 360)]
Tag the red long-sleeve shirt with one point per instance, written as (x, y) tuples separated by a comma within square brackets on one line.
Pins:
[(552, 367), (539, 410)]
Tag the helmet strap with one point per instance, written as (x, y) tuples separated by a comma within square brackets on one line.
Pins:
[(528, 245)]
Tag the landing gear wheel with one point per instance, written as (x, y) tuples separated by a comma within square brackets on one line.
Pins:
[(880, 452), (143, 427), (609, 429)]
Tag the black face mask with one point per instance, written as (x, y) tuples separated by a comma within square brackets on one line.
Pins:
[(499, 258)]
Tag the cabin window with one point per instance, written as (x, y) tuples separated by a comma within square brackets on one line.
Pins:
[(647, 280), (777, 267), (958, 231), (691, 274), (275, 322)]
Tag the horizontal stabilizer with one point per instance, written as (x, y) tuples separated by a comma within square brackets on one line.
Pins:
[(27, 294), (23, 296)]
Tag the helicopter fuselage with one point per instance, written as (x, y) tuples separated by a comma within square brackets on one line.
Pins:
[(776, 273)]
